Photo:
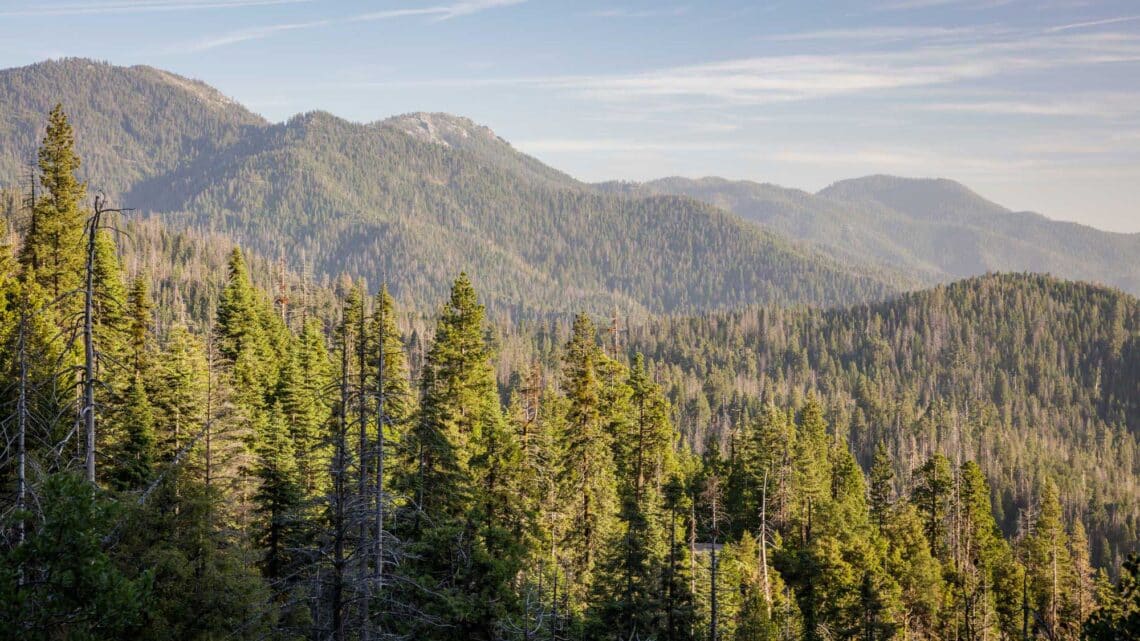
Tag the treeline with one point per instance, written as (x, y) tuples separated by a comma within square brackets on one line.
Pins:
[(303, 479), (1032, 377), (381, 202)]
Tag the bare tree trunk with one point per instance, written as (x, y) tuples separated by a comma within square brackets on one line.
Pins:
[(381, 422), (362, 490), (87, 410), (693, 546), (764, 544), (22, 428), (339, 496), (210, 364), (712, 581), (670, 597)]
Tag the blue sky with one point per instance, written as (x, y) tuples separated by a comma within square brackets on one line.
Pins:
[(1033, 103)]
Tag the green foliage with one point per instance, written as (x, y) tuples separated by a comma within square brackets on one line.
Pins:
[(936, 230), (53, 244), (234, 502), (60, 582), (1119, 614)]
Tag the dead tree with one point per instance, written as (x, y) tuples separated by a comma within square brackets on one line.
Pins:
[(712, 497), (381, 423), (362, 500), (87, 409), (763, 560)]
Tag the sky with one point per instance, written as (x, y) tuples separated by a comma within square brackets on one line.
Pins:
[(1034, 104)]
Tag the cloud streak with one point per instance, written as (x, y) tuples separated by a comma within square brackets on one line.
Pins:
[(787, 78), (588, 146), (618, 12), (438, 12), (142, 6), (1092, 23)]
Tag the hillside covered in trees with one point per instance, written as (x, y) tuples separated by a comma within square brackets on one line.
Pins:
[(937, 230), (217, 462), (409, 201)]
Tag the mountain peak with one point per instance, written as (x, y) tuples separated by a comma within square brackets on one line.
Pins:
[(201, 91), (925, 198), (443, 129)]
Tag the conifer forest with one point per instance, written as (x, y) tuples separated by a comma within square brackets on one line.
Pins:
[(206, 438)]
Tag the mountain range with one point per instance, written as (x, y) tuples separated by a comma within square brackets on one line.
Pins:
[(935, 229), (414, 199)]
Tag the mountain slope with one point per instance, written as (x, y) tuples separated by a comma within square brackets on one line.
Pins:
[(411, 200), (376, 201), (131, 122), (937, 230), (1030, 376)]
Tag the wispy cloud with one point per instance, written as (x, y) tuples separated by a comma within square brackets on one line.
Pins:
[(625, 12), (907, 5), (583, 145), (886, 33), (1092, 23), (952, 67), (139, 6), (244, 35), (473, 6), (784, 78), (1100, 105), (439, 13), (905, 161)]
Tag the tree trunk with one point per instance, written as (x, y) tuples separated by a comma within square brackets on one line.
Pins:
[(87, 412)]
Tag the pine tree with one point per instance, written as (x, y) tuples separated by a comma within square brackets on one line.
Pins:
[(882, 492), (931, 495), (1049, 567), (587, 478), (1084, 579), (918, 573), (139, 324), (179, 391), (279, 496), (466, 531), (237, 327), (1118, 616), (678, 616), (60, 582), (811, 466), (305, 386), (53, 243), (134, 454)]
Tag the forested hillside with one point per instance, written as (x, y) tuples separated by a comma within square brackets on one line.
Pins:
[(410, 201), (937, 230), (954, 464), (135, 122), (1031, 377)]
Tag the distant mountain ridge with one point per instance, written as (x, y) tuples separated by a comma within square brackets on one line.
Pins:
[(411, 201), (935, 229)]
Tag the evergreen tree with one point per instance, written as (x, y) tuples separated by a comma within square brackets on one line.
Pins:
[(931, 495), (53, 243), (1118, 616), (590, 493), (305, 386), (60, 582), (279, 496), (882, 492), (134, 453), (1049, 567), (467, 532), (678, 616), (811, 466)]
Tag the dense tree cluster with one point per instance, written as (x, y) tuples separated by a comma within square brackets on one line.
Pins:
[(1031, 377), (344, 475), (377, 201)]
